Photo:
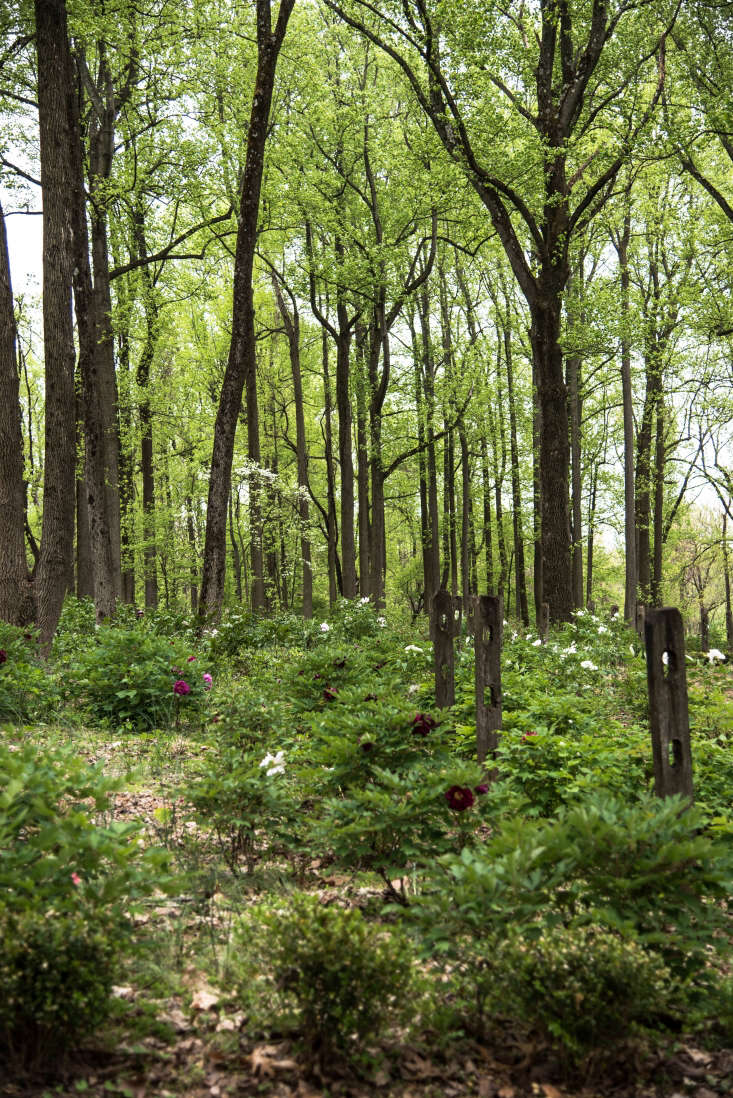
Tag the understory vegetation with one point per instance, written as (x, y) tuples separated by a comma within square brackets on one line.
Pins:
[(266, 846)]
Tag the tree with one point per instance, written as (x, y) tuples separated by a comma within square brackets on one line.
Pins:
[(548, 80), (241, 368)]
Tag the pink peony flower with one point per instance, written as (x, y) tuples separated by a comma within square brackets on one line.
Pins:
[(75, 879), (181, 687), (207, 680)]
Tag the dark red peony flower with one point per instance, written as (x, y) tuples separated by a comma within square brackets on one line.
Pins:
[(340, 663), (459, 797), (181, 688), (3, 655), (422, 723), (371, 698), (318, 675), (481, 789), (330, 693), (366, 746)]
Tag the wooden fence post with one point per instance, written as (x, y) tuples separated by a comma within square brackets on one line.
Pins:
[(488, 618), (668, 716), (640, 617), (446, 628)]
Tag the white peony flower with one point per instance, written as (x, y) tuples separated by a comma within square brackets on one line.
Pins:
[(275, 763), (714, 654), (588, 665), (325, 627), (364, 600), (382, 622), (537, 643), (602, 629), (412, 648)]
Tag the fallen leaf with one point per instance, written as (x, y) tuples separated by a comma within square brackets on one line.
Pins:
[(697, 1055), (485, 1086), (123, 992), (506, 1092), (550, 1092), (204, 999)]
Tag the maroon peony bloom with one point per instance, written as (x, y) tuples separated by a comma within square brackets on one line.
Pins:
[(190, 659), (459, 797), (3, 655), (330, 693), (181, 687), (318, 675), (371, 698), (481, 789), (366, 746), (422, 723), (340, 663)]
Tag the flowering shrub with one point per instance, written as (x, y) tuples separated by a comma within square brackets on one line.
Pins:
[(321, 972), (133, 676)]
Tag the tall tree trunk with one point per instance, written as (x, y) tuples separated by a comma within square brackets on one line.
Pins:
[(431, 549), (521, 580), (362, 458), (241, 370), (236, 558), (291, 322), (660, 454), (346, 462), (537, 502), (726, 578), (486, 485), (14, 590), (105, 564), (193, 569), (631, 578), (55, 86), (554, 456), (573, 365)]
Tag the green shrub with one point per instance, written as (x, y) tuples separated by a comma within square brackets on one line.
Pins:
[(28, 688), (584, 988), (244, 797), (56, 974), (67, 887), (53, 853), (645, 870), (321, 971), (128, 678)]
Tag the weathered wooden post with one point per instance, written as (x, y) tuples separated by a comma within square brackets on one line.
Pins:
[(487, 612), (668, 716), (544, 622), (447, 619), (640, 618)]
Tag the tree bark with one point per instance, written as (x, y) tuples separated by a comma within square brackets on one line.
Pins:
[(631, 578), (521, 582), (241, 369), (55, 85), (291, 322), (14, 590)]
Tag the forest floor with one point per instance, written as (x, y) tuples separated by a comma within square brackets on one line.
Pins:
[(176, 1035)]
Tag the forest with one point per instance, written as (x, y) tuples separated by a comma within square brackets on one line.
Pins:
[(354, 321)]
